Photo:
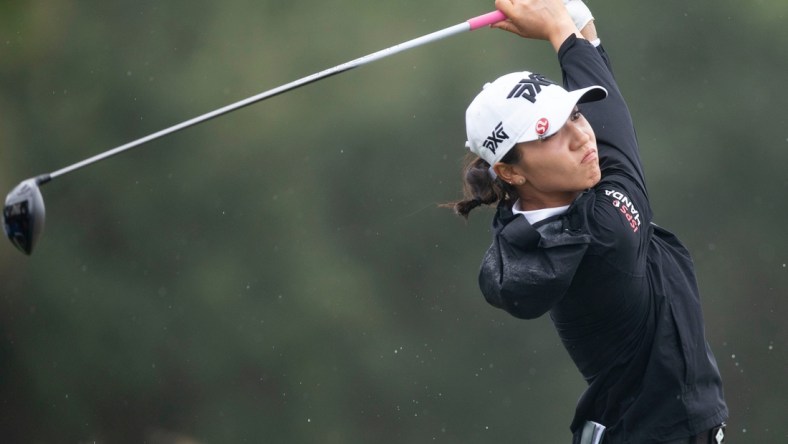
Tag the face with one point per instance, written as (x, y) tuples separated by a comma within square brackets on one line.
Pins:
[(557, 169)]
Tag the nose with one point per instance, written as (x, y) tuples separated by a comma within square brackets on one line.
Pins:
[(579, 136)]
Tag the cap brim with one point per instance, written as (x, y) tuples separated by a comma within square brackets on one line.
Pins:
[(592, 94), (558, 113)]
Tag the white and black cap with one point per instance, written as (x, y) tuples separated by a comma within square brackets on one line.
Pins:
[(520, 107)]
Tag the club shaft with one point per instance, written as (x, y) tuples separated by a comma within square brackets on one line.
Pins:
[(471, 24)]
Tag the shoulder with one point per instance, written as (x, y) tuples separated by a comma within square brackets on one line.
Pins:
[(615, 214), (617, 207)]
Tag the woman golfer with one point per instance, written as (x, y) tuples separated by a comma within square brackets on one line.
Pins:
[(573, 236)]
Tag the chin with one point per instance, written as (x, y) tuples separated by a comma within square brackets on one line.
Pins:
[(594, 180)]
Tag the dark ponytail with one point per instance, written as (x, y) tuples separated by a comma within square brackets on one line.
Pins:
[(480, 187)]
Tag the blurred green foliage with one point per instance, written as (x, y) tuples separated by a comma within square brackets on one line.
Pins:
[(283, 274)]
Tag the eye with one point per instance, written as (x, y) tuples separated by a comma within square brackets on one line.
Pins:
[(575, 114)]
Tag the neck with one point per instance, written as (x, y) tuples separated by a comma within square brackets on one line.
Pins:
[(539, 201)]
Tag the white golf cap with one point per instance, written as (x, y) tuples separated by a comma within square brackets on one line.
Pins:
[(520, 107)]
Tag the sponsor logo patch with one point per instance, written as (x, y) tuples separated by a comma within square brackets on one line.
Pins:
[(542, 125), (626, 208)]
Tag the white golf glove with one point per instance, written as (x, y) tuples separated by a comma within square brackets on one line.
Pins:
[(579, 12)]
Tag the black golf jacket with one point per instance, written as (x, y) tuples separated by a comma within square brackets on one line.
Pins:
[(620, 290)]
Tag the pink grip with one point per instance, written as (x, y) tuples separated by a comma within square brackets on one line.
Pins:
[(486, 19)]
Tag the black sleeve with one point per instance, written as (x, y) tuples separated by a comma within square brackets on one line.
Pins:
[(584, 65), (526, 272)]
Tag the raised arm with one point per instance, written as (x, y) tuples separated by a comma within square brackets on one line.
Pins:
[(582, 65)]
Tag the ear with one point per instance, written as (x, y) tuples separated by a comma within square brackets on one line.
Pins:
[(510, 174)]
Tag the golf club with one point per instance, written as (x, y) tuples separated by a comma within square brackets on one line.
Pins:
[(24, 212)]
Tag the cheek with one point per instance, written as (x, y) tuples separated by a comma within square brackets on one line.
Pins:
[(548, 156), (554, 173), (541, 166)]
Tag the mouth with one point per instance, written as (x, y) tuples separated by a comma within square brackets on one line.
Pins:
[(590, 156)]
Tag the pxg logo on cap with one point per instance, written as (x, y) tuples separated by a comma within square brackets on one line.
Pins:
[(498, 136), (529, 88)]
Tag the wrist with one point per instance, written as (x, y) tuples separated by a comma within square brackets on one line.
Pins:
[(563, 32), (589, 31)]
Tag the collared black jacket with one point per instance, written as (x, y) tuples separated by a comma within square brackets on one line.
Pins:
[(620, 290)]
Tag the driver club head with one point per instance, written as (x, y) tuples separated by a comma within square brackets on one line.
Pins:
[(23, 215)]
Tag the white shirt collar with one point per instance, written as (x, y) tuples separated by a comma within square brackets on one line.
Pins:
[(534, 216)]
